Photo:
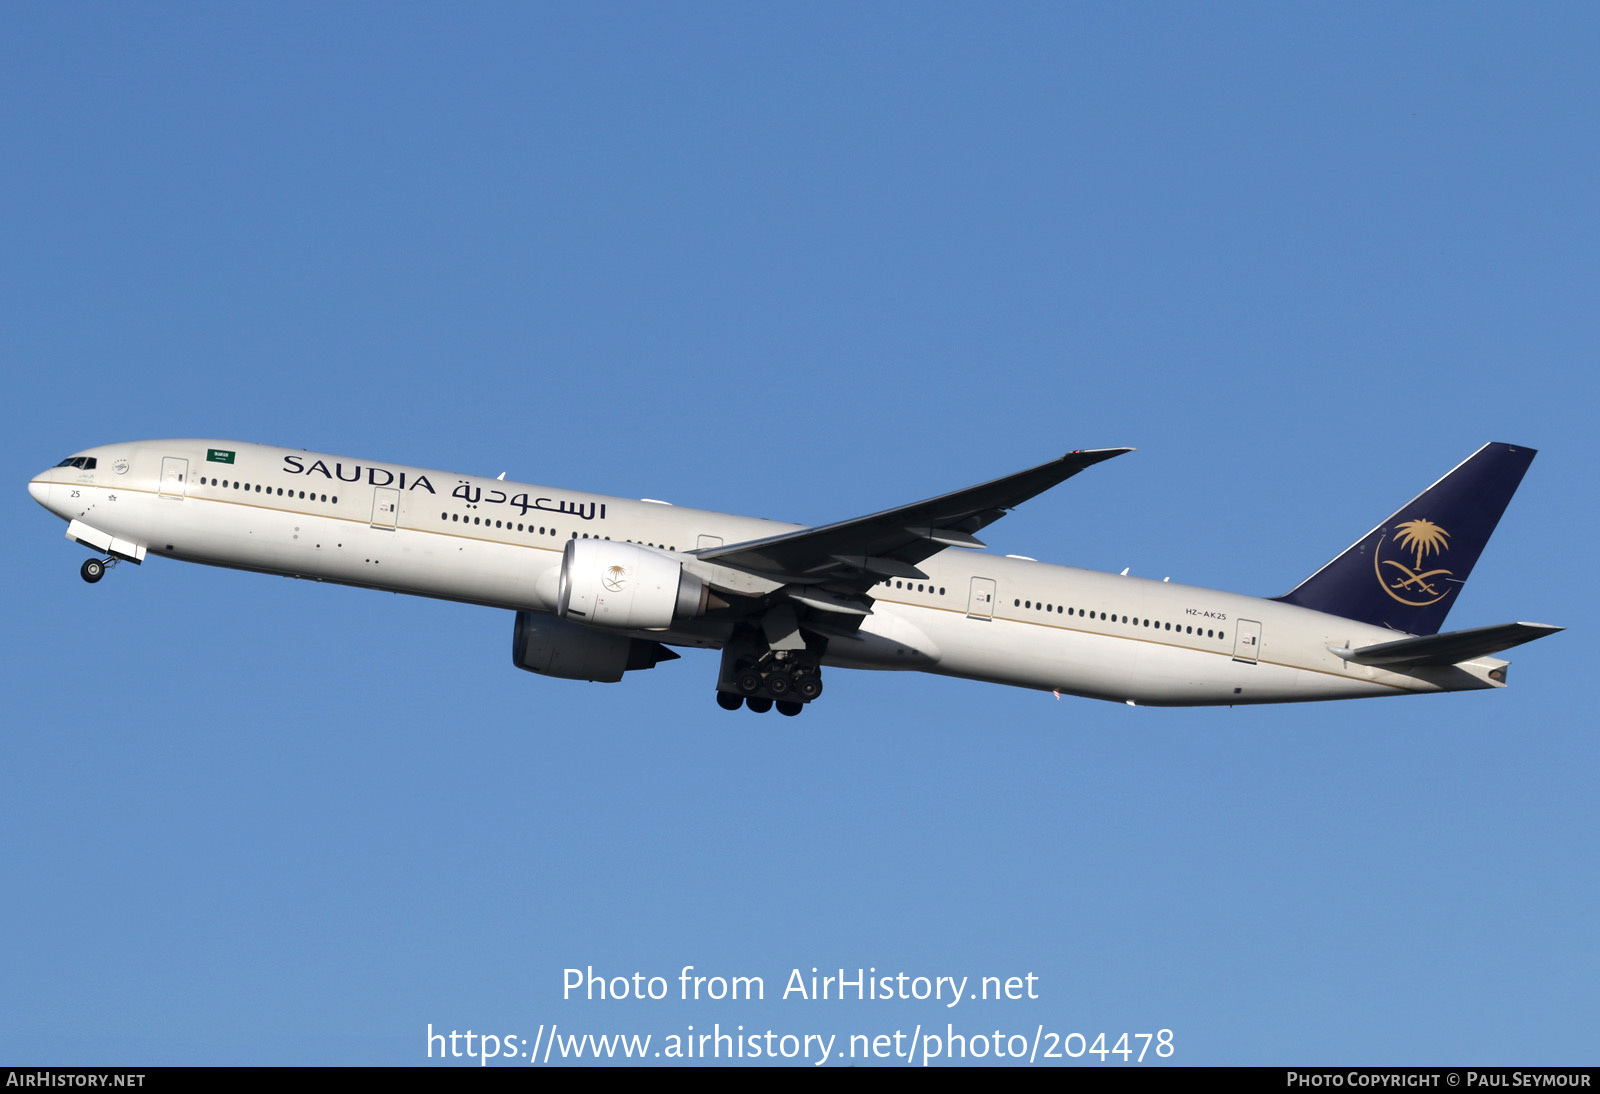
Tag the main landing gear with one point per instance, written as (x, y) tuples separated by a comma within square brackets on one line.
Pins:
[(763, 679), (759, 704), (95, 568)]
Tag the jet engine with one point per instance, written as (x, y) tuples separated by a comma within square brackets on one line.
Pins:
[(627, 587), (553, 647)]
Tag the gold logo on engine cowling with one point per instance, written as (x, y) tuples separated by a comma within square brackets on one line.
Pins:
[(615, 579), (1412, 585)]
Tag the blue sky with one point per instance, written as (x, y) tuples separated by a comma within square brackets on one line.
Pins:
[(802, 264)]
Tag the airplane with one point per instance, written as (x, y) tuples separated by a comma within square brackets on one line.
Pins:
[(602, 586)]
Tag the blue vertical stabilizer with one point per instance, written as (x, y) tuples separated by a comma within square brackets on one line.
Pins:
[(1407, 572)]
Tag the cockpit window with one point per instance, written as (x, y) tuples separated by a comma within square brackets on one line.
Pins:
[(83, 463)]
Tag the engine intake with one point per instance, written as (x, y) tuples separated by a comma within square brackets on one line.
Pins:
[(626, 587)]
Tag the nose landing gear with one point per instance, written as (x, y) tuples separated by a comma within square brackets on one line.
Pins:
[(95, 568)]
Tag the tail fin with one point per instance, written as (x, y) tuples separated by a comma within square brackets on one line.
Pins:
[(1407, 571)]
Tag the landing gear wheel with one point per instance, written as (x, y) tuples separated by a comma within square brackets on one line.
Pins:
[(789, 709), (729, 702), (748, 681), (808, 688), (779, 684), (760, 706), (93, 570)]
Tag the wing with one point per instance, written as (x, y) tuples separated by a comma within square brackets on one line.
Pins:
[(852, 556)]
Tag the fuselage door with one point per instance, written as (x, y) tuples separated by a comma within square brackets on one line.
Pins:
[(705, 542), (174, 476), (385, 507), (980, 602), (1246, 641)]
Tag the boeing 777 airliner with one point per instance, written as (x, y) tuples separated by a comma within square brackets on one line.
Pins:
[(602, 586)]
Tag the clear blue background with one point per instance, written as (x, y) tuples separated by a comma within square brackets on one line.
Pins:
[(804, 264)]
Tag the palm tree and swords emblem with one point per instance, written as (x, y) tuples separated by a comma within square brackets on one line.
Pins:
[(615, 578), (1421, 538)]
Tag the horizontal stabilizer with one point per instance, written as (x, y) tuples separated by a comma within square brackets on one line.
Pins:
[(1447, 649)]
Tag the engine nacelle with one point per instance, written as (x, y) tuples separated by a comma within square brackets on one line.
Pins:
[(553, 647), (626, 587)]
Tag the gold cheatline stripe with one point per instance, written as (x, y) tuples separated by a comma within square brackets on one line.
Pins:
[(902, 603), (1151, 642), (301, 513)]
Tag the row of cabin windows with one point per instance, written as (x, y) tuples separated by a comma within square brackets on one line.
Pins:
[(1136, 621), (530, 529), (228, 484), (505, 524), (1075, 612), (918, 586)]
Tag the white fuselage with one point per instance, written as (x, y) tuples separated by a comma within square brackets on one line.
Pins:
[(483, 541)]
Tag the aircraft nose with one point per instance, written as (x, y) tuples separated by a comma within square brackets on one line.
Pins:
[(40, 492)]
